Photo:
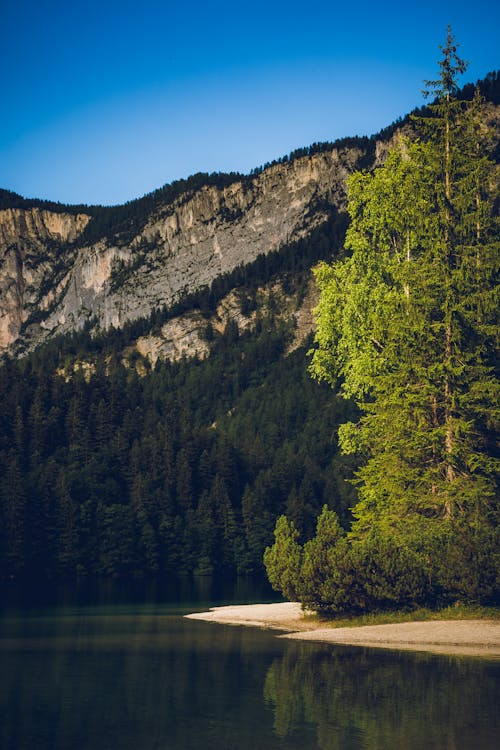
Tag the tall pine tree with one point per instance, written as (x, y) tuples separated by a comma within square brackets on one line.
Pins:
[(407, 320)]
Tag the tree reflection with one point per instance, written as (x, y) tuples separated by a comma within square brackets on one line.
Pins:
[(361, 698)]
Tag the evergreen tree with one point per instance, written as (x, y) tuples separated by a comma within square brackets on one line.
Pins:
[(327, 576), (13, 507), (406, 320), (283, 559)]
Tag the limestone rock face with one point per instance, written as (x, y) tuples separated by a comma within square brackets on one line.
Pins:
[(30, 242), (182, 336), (39, 225), (52, 283)]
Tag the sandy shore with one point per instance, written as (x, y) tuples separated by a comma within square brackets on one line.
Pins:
[(461, 637)]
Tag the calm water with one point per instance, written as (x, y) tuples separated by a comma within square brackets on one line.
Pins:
[(120, 669)]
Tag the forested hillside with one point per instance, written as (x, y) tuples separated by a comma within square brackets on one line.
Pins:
[(180, 469)]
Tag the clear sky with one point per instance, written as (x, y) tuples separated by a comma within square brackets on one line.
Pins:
[(104, 101)]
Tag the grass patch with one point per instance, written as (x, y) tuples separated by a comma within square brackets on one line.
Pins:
[(455, 612)]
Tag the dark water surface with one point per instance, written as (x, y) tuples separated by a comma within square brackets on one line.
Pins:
[(118, 668)]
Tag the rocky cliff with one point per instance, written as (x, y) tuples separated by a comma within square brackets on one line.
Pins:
[(31, 262), (51, 282)]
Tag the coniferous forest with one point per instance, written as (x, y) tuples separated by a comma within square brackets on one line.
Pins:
[(180, 469)]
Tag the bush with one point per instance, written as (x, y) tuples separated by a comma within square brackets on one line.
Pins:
[(283, 559)]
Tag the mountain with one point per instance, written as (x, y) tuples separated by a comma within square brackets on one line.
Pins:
[(53, 280), (156, 413)]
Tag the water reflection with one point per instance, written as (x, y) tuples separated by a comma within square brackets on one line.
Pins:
[(140, 677), (123, 682), (377, 700)]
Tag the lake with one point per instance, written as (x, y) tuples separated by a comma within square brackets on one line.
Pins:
[(116, 667)]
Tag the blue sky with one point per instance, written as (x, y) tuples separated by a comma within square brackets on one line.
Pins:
[(105, 101)]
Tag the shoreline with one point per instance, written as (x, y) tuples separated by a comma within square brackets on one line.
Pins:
[(452, 637)]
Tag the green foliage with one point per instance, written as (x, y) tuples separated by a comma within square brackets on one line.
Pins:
[(182, 470), (407, 320), (326, 578), (333, 573), (283, 559), (468, 562), (407, 327)]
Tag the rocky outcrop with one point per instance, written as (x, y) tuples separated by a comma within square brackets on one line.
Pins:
[(39, 227), (179, 337), (186, 335), (30, 245)]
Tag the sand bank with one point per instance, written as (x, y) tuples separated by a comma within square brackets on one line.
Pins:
[(461, 637)]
